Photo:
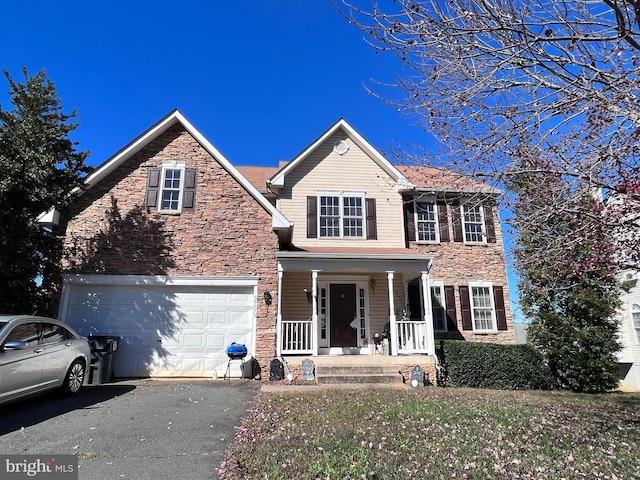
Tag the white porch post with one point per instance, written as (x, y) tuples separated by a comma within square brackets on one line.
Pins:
[(428, 317), (314, 312), (279, 314), (392, 317)]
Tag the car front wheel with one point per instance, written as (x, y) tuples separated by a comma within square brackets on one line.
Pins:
[(75, 378)]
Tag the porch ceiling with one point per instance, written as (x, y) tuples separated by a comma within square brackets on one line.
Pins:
[(337, 259)]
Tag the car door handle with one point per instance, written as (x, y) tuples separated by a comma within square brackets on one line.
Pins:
[(68, 344), (39, 350)]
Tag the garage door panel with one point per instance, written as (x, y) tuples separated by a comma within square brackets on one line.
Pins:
[(165, 330)]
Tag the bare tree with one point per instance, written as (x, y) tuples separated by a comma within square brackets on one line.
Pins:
[(511, 87)]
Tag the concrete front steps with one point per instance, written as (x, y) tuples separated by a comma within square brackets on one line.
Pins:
[(363, 369), (358, 374)]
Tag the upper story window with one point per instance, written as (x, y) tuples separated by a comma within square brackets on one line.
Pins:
[(635, 316), (427, 222), (341, 215), (171, 189), (473, 223)]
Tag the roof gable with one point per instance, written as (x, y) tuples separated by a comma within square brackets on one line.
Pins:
[(173, 118), (278, 179)]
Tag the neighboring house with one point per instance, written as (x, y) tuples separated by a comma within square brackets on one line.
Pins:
[(629, 317), (179, 252)]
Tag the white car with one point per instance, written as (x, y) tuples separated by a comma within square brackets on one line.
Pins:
[(39, 354)]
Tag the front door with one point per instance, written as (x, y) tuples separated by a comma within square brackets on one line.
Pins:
[(342, 311)]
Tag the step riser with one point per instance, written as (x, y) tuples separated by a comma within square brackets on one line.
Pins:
[(331, 379), (357, 370)]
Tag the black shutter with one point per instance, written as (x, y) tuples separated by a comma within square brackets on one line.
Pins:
[(409, 224), (457, 223), (312, 217), (189, 192), (372, 229), (489, 225), (501, 314), (465, 308), (153, 188), (443, 221), (450, 305)]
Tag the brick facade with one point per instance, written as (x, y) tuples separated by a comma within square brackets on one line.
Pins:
[(227, 234), (457, 263)]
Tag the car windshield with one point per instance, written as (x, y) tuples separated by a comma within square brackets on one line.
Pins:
[(2, 324)]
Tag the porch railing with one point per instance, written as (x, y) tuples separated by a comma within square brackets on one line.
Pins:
[(297, 336), (412, 336)]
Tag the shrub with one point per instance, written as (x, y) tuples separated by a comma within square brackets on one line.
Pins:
[(489, 365)]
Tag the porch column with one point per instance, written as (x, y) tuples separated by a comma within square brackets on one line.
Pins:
[(279, 314), (314, 312), (392, 318), (428, 317)]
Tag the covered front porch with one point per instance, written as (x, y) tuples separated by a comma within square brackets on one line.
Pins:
[(344, 302)]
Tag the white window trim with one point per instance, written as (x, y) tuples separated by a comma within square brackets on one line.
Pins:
[(342, 195), (482, 223), (171, 166), (635, 309), (439, 284), (494, 318), (433, 202)]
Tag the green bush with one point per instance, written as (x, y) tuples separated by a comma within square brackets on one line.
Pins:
[(489, 365)]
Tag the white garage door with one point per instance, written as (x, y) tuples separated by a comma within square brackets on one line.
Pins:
[(166, 330)]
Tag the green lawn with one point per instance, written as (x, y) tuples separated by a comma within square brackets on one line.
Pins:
[(436, 433)]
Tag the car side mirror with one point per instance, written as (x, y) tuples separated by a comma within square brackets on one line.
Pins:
[(13, 345)]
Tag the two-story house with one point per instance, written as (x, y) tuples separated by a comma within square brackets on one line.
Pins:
[(178, 251), (629, 332)]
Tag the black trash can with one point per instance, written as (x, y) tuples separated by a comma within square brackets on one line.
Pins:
[(103, 348)]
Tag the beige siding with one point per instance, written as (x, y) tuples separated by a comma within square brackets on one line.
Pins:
[(325, 170), (294, 304), (630, 354)]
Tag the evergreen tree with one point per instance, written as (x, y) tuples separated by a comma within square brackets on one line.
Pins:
[(569, 292), (39, 167)]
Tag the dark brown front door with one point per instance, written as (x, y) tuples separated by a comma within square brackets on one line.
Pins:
[(342, 309)]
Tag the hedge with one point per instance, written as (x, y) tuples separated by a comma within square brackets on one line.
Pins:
[(489, 365)]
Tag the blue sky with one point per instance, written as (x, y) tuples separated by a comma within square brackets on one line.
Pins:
[(261, 79)]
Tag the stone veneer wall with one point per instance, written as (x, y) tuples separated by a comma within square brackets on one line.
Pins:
[(457, 263), (227, 234)]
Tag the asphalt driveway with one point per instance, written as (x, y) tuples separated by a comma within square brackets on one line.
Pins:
[(140, 429)]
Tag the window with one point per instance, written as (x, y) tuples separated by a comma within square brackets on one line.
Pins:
[(341, 216), (171, 189), (329, 216), (24, 335), (438, 308), (482, 308), (635, 316), (53, 333), (427, 222), (472, 218)]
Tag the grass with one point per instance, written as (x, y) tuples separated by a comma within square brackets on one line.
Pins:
[(435, 433)]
